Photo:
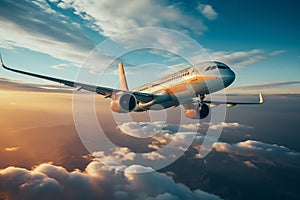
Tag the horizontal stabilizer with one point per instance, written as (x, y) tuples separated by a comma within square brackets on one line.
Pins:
[(233, 103)]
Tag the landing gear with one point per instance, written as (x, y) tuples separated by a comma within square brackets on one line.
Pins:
[(203, 107), (201, 97), (196, 108)]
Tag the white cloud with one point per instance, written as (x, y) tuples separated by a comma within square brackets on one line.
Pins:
[(261, 152), (153, 156), (115, 16), (124, 153), (278, 52), (241, 59), (167, 188), (116, 157), (207, 11), (35, 26), (47, 181), (232, 125), (136, 169), (154, 38), (142, 129), (38, 27), (182, 136)]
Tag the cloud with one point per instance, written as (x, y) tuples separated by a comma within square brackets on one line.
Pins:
[(36, 26), (155, 38), (11, 149), (153, 156), (161, 134), (231, 125), (258, 86), (115, 16), (8, 84), (249, 164), (169, 140), (19, 183), (47, 181), (142, 129), (261, 152), (116, 158), (241, 59), (207, 11), (61, 66), (44, 27)]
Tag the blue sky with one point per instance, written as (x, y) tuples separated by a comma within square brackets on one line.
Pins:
[(258, 39)]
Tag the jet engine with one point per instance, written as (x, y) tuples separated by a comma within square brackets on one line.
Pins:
[(196, 110), (123, 102)]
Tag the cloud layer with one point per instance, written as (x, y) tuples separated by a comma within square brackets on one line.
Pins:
[(8, 84), (266, 85), (135, 14), (261, 153), (47, 181)]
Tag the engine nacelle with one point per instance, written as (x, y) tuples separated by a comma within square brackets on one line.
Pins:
[(123, 102), (196, 110)]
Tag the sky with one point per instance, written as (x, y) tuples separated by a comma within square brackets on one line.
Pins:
[(259, 40), (43, 153)]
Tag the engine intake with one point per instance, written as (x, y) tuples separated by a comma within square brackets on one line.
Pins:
[(123, 102)]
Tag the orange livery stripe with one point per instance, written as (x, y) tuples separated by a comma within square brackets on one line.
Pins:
[(183, 86)]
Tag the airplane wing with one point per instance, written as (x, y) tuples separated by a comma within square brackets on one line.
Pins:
[(232, 103), (105, 91)]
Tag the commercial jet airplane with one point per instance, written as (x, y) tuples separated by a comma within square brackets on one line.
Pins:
[(187, 87)]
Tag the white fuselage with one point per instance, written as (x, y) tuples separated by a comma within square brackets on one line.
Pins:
[(201, 79)]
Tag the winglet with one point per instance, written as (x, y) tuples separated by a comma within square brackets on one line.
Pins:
[(261, 98), (123, 82), (1, 60)]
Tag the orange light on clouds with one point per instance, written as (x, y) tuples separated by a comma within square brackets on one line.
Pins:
[(11, 149)]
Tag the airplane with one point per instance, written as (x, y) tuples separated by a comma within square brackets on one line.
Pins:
[(188, 87)]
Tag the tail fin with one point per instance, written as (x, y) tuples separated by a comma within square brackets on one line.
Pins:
[(123, 82)]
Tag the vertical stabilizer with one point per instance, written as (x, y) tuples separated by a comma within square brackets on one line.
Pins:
[(123, 82)]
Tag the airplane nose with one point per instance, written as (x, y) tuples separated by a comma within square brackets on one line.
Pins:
[(228, 78), (232, 76)]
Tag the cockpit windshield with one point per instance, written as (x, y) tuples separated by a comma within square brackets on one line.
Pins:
[(216, 65)]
